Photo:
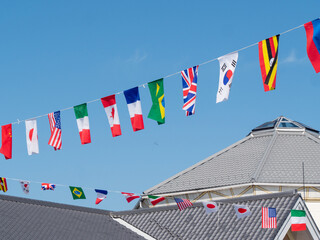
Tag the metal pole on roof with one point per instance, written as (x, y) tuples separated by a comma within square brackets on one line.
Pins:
[(304, 188)]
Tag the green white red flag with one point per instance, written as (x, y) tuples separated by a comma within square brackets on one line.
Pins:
[(155, 199), (298, 220), (81, 113)]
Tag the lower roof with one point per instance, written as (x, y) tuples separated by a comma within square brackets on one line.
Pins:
[(23, 218), (194, 223)]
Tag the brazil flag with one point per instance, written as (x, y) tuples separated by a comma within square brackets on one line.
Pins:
[(77, 193), (157, 111)]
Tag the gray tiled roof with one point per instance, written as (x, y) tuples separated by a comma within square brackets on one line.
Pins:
[(194, 223), (266, 156), (31, 219)]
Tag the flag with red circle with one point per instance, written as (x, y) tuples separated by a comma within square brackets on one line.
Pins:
[(210, 207), (241, 210)]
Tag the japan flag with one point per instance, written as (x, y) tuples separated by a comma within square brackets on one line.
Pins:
[(241, 210), (210, 207)]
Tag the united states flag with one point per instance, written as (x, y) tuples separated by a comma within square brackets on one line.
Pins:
[(189, 84), (183, 203), (55, 127), (269, 217)]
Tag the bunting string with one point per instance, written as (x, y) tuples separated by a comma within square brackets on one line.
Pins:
[(168, 76)]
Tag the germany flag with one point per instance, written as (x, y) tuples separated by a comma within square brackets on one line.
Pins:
[(3, 184), (268, 56)]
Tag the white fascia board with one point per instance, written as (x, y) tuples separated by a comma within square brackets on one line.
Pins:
[(134, 229)]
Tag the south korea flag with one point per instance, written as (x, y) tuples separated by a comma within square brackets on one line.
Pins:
[(210, 207), (227, 67)]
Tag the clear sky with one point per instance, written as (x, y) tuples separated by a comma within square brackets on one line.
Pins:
[(57, 54)]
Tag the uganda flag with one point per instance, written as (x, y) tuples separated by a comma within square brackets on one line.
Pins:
[(157, 111), (268, 56), (3, 184)]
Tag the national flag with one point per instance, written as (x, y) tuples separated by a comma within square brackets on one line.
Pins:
[(48, 186), (189, 84), (6, 134), (32, 136), (183, 203), (313, 43), (130, 196), (157, 111), (77, 193), (155, 199), (55, 128), (134, 107), (269, 217), (110, 107), (210, 207), (241, 210), (25, 186), (101, 194), (268, 56), (3, 184), (298, 220), (81, 113), (227, 67)]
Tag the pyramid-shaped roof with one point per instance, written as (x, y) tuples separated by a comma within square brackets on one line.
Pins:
[(271, 153)]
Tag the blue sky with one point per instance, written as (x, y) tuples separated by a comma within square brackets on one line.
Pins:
[(57, 54)]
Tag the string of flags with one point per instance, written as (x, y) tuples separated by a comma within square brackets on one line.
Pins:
[(268, 59), (268, 214)]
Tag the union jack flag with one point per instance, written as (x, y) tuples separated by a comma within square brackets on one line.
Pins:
[(183, 203), (55, 127), (48, 186), (189, 84)]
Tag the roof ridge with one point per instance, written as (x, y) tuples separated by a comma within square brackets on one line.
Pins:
[(53, 204), (264, 157), (196, 164)]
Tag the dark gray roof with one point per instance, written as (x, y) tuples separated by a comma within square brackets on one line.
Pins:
[(194, 223), (31, 219), (267, 155)]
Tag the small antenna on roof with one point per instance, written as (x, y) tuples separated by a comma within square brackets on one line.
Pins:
[(304, 188)]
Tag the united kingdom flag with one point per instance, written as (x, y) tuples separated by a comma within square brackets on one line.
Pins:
[(189, 84)]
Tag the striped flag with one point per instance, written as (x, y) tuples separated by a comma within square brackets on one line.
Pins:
[(189, 84), (3, 184), (268, 56), (183, 203), (129, 196), (269, 217), (55, 127)]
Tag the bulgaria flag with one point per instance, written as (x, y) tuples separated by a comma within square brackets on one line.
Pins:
[(155, 199), (129, 196), (110, 106), (298, 220), (81, 113), (134, 107)]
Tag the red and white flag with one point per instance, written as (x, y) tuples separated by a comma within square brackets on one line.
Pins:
[(210, 207), (32, 136), (55, 127), (130, 196), (241, 210), (110, 106)]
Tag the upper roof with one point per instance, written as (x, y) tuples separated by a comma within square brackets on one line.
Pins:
[(194, 223), (272, 153), (23, 218)]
